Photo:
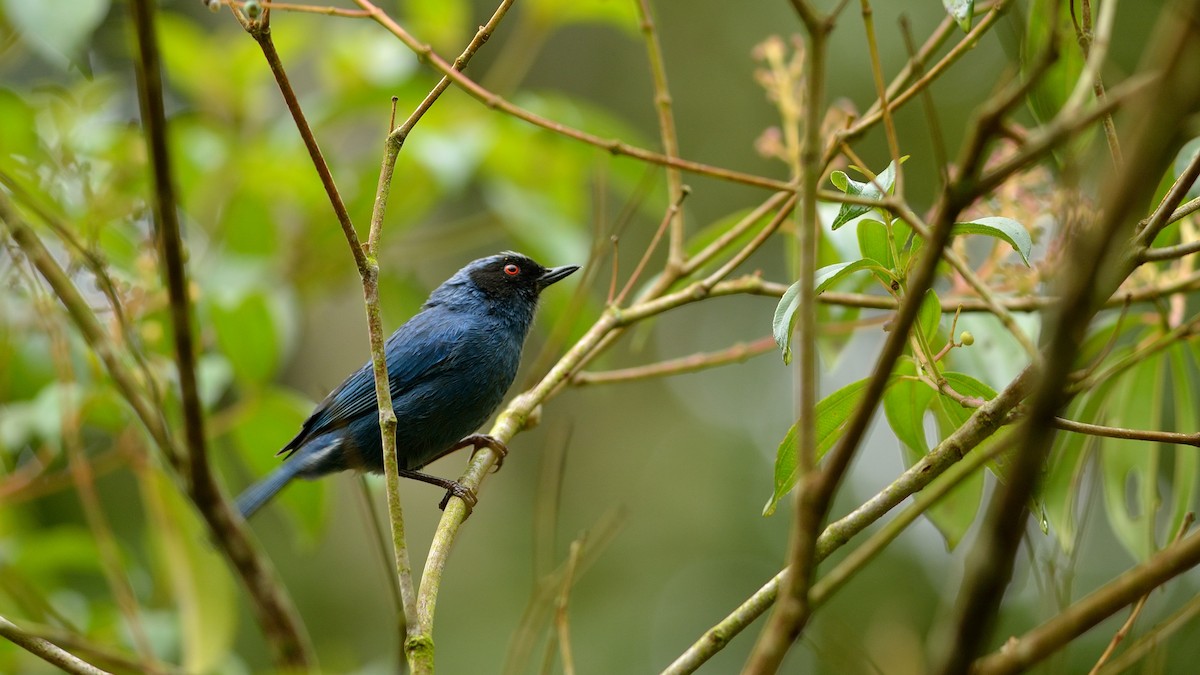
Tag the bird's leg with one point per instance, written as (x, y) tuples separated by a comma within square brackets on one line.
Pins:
[(478, 441), (453, 488)]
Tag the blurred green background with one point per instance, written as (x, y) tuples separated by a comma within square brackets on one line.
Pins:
[(685, 464)]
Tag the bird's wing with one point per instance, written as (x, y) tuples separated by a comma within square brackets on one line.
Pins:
[(416, 352)]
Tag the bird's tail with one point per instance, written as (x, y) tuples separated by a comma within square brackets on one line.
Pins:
[(256, 496)]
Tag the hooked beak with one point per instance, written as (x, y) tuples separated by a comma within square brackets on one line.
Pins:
[(555, 274)]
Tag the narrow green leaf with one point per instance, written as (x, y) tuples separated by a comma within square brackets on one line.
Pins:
[(1006, 229), (866, 190), (961, 11), (785, 312), (832, 413), (200, 584), (1129, 469), (1187, 419), (929, 316), (1060, 486)]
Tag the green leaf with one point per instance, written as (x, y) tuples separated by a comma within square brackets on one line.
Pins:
[(552, 14), (18, 128), (929, 316), (1050, 93), (873, 242), (1186, 153), (905, 404), (1006, 229), (55, 30), (713, 231), (264, 423), (961, 11), (789, 304), (200, 584), (832, 413), (246, 335), (1187, 419), (953, 514), (866, 190), (1060, 487), (1129, 468)]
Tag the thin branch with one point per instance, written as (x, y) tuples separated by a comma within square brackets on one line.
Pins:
[(981, 425), (561, 621), (1095, 59), (791, 613), (1151, 436), (1154, 638), (170, 243), (270, 601), (668, 218), (261, 32), (47, 651), (1022, 653), (936, 139), (1165, 211), (1170, 252), (1094, 270), (308, 9), (666, 129), (1126, 627), (616, 147), (924, 500), (688, 364)]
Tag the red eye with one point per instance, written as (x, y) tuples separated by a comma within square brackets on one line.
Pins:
[(512, 270)]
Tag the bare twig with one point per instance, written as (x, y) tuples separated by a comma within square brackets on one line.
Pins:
[(1022, 653), (46, 650), (1123, 631), (666, 129), (687, 364)]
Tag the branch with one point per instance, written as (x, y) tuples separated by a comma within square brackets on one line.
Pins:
[(203, 488), (1095, 268), (1152, 436), (791, 613), (981, 425), (47, 651), (616, 147), (274, 608), (666, 126), (687, 364), (1021, 653)]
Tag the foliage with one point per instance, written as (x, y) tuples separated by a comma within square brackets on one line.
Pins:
[(936, 288)]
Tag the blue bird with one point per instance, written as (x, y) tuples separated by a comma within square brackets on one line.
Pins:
[(449, 367)]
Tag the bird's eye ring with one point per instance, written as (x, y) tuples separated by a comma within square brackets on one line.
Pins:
[(512, 270)]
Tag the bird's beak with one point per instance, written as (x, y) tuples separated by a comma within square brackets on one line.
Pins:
[(556, 274)]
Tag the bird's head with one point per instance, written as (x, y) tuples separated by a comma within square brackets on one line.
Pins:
[(505, 278)]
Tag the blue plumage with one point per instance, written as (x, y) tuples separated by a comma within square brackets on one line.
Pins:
[(449, 367)]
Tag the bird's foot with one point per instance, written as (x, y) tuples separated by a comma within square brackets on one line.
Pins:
[(478, 441), (466, 494)]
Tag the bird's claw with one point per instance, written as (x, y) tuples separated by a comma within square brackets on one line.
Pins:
[(466, 494), (478, 441)]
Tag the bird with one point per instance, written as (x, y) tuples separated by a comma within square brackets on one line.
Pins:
[(449, 367)]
